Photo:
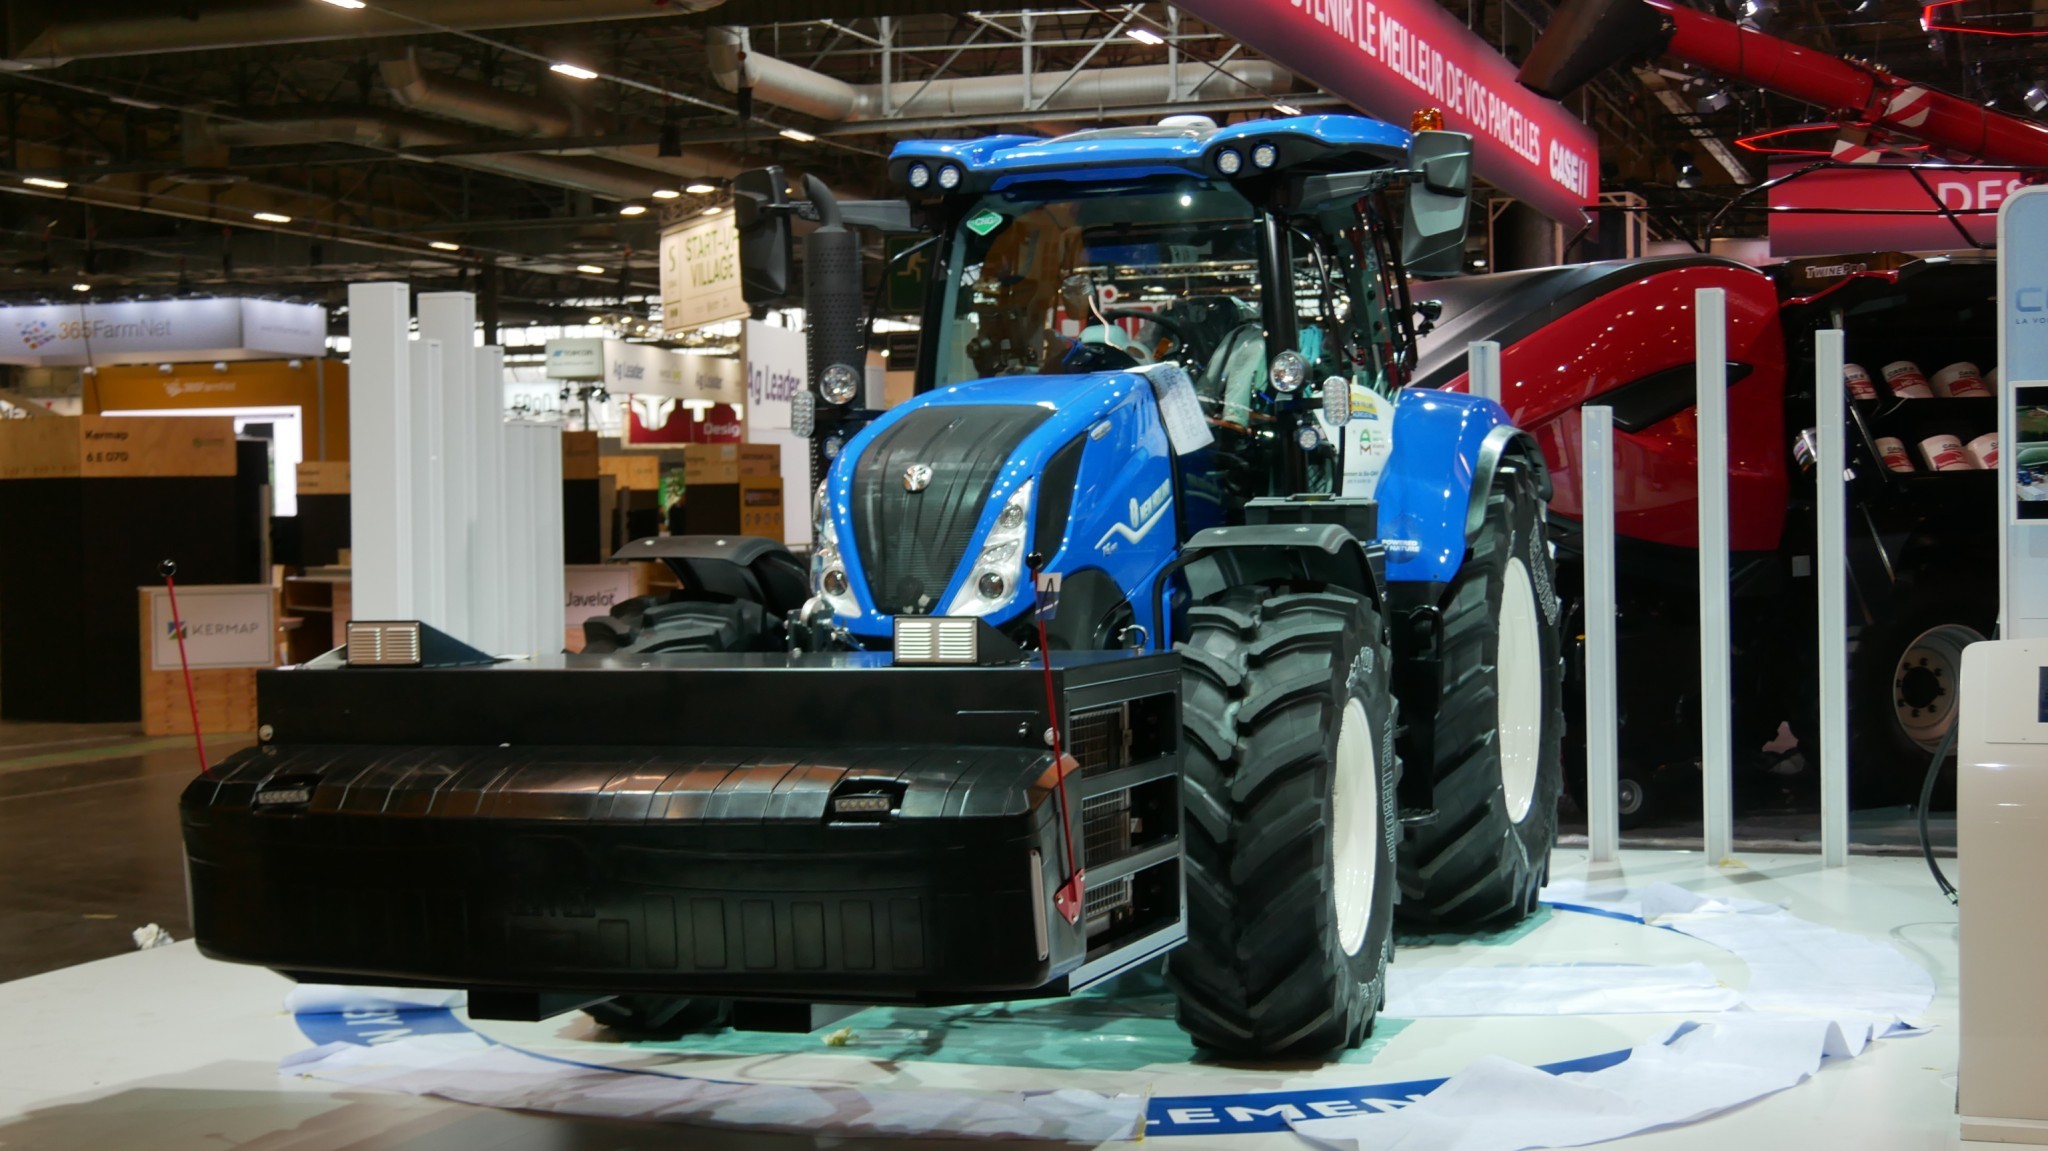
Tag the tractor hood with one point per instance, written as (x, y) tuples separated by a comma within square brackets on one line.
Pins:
[(935, 507)]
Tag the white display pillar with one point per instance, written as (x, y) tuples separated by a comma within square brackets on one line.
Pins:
[(491, 611), (1603, 718), (379, 422), (450, 317), (1710, 317), (1482, 363), (1831, 561), (533, 491), (429, 488)]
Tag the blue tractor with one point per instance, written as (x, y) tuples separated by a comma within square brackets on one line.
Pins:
[(1128, 635)]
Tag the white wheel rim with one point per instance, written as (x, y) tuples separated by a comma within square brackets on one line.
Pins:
[(1518, 696), (1924, 683), (1354, 826)]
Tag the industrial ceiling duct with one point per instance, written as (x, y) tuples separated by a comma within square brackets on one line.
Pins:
[(735, 65), (398, 132), (538, 118)]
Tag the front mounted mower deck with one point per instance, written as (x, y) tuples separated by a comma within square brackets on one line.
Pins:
[(616, 824)]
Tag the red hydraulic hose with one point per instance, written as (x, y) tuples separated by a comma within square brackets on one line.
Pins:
[(1950, 123)]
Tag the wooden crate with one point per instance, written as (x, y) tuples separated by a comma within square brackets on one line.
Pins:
[(227, 701)]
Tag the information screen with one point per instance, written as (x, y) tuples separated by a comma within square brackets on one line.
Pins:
[(2030, 451)]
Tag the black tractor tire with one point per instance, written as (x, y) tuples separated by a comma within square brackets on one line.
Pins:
[(1482, 860), (1286, 703), (1904, 684), (700, 626), (659, 1016)]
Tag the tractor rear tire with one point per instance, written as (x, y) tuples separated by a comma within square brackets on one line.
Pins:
[(1290, 781), (1497, 736), (700, 626), (1905, 675), (659, 1016)]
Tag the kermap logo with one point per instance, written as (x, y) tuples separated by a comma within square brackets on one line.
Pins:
[(36, 333)]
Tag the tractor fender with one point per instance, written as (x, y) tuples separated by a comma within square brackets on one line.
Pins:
[(1448, 446)]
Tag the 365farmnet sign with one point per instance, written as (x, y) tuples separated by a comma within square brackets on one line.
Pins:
[(1394, 57)]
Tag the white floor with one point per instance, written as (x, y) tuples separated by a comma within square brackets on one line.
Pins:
[(165, 1049)]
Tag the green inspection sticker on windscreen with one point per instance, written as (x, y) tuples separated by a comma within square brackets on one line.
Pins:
[(983, 222)]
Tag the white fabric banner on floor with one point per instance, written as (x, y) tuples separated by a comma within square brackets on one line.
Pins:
[(1419, 992), (470, 1069), (1701, 1070), (1795, 965)]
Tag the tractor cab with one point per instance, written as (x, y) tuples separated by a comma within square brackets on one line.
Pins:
[(1250, 271)]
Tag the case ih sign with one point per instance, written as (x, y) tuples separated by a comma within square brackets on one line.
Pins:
[(1390, 58)]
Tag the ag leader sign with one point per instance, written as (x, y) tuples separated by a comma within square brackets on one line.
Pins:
[(1392, 58), (700, 273)]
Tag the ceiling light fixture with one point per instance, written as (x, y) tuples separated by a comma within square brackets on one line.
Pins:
[(1147, 36), (444, 246), (798, 135), (44, 182), (590, 269), (351, 5), (666, 193), (700, 188), (2036, 98), (713, 210), (1713, 102), (273, 218), (632, 209), (81, 286), (1287, 109), (573, 71)]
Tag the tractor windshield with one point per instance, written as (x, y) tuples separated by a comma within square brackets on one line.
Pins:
[(1116, 275)]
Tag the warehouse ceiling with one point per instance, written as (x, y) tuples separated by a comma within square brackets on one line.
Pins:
[(294, 146)]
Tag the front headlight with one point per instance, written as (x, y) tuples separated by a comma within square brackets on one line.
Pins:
[(828, 570), (999, 571)]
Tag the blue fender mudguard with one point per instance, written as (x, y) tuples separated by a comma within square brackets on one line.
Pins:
[(1432, 495)]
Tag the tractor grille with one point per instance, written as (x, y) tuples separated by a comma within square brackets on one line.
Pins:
[(1105, 901), (911, 542), (1099, 740), (1106, 828)]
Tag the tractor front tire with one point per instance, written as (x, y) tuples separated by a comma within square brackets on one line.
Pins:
[(1496, 743), (1290, 781)]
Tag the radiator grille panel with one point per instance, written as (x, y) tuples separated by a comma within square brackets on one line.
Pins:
[(910, 542), (1098, 740)]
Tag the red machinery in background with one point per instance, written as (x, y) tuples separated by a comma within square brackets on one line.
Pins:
[(1621, 334), (1586, 37)]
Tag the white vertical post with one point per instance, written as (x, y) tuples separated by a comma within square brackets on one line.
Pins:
[(1710, 316), (520, 579), (1603, 760), (1831, 570), (491, 610), (1482, 362), (450, 317), (429, 488), (379, 424), (539, 498)]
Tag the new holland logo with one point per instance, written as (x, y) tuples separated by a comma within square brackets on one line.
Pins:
[(917, 477), (1144, 517)]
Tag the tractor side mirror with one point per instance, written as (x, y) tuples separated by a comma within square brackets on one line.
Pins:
[(760, 206), (1437, 214)]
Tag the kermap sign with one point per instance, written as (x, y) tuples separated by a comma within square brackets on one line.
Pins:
[(226, 625), (1392, 58), (700, 273), (143, 331), (1841, 209)]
